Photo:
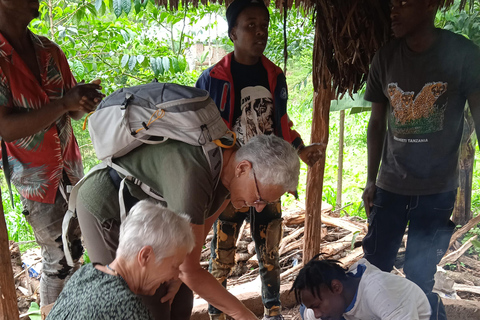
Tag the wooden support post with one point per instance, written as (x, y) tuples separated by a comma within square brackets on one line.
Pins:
[(8, 297), (320, 120)]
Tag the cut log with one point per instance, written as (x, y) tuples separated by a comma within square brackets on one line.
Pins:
[(344, 224), (291, 271), (242, 256), (291, 236), (293, 245), (469, 262), (352, 257), (333, 248), (463, 277), (465, 288), (240, 233), (328, 220), (460, 232), (453, 256)]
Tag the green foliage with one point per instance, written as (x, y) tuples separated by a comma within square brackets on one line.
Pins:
[(34, 311)]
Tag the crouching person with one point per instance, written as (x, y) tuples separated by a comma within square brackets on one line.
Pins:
[(153, 243), (365, 292)]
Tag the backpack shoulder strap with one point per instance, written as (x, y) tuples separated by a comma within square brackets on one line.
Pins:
[(71, 212), (214, 156)]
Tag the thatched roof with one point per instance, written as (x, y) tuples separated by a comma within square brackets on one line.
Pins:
[(348, 33)]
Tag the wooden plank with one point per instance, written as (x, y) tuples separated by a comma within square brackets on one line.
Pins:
[(8, 297)]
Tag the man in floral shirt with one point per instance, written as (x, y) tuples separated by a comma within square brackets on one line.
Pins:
[(38, 96)]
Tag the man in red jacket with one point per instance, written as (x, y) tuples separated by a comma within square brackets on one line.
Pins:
[(251, 94)]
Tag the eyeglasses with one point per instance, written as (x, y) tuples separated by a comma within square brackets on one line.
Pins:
[(259, 201)]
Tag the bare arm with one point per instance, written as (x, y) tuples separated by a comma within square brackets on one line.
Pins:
[(16, 124), (377, 127), (203, 283)]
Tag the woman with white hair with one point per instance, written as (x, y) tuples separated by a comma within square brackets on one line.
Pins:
[(153, 244), (253, 175)]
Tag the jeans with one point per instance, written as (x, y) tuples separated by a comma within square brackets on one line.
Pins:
[(46, 221), (266, 229), (429, 233)]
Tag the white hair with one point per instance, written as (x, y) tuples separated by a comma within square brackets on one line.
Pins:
[(274, 160), (151, 224)]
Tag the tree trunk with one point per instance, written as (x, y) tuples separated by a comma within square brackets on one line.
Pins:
[(8, 297), (462, 212), (338, 204)]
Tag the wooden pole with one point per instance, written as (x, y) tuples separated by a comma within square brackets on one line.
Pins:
[(338, 203), (8, 297), (322, 84)]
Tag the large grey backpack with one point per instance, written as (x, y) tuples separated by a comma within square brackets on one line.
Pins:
[(150, 114)]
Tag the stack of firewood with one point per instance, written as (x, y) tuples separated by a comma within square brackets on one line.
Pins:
[(341, 240)]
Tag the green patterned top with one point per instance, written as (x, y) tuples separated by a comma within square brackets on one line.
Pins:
[(93, 294)]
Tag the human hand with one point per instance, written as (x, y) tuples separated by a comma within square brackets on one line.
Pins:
[(83, 97), (312, 153), (367, 196), (172, 288)]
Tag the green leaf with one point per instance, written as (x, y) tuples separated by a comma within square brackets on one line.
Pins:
[(127, 6), (98, 5), (117, 7), (125, 35), (92, 9), (34, 311), (203, 57), (140, 58), (476, 244), (160, 68), (166, 64), (73, 30), (182, 63), (80, 14), (124, 61), (153, 65), (78, 69), (138, 6), (174, 62), (132, 62), (354, 238), (62, 34)]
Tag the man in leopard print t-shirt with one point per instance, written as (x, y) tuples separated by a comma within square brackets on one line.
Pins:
[(418, 85)]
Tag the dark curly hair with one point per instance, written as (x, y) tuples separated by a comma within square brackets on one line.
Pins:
[(315, 273)]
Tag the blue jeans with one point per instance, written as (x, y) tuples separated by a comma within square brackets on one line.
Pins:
[(266, 229), (429, 233)]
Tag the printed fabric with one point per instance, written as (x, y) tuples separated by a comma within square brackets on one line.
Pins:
[(93, 294), (37, 162)]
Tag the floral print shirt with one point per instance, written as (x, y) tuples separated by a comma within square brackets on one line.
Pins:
[(37, 162)]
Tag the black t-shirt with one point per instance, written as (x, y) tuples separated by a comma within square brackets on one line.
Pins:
[(425, 94), (253, 113)]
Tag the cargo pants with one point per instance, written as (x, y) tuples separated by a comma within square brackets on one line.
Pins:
[(266, 230), (46, 221)]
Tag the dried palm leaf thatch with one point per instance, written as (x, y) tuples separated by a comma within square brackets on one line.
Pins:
[(348, 33)]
